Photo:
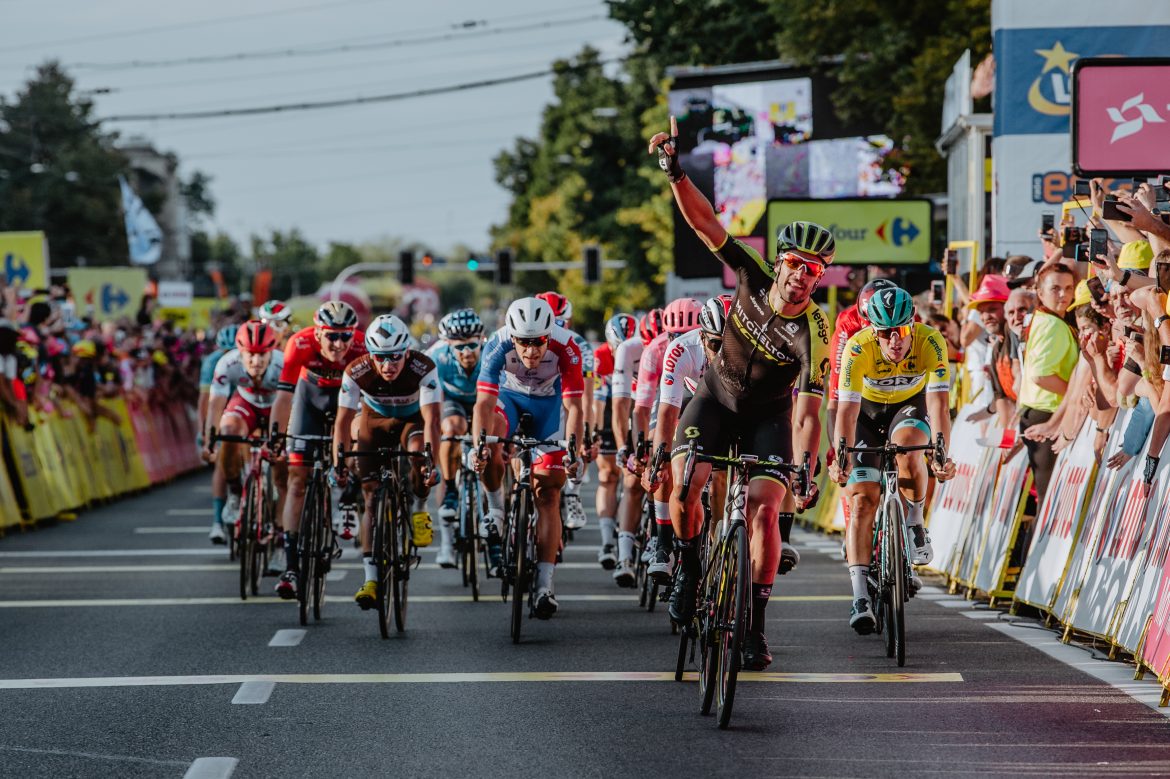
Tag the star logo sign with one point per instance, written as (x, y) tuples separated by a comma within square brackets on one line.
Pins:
[(1057, 66)]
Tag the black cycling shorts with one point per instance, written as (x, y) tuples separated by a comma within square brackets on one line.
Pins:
[(714, 427), (608, 444), (313, 408), (875, 422), (455, 408)]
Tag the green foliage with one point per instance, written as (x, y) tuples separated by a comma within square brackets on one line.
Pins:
[(59, 171), (294, 262), (699, 32), (196, 194), (219, 251)]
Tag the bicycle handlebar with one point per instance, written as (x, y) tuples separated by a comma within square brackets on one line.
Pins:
[(938, 447)]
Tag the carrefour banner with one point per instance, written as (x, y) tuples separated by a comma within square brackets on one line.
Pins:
[(867, 230), (108, 293), (24, 259)]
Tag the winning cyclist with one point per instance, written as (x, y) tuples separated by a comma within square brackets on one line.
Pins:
[(456, 359), (775, 340), (242, 388), (895, 376), (532, 367), (306, 399), (393, 392), (617, 329), (225, 341)]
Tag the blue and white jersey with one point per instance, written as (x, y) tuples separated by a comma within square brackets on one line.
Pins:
[(231, 376), (457, 383), (558, 374)]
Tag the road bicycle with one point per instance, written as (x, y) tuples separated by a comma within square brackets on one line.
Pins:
[(255, 536), (468, 545), (890, 588), (317, 545), (648, 589)]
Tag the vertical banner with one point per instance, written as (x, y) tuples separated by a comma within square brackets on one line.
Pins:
[(261, 285), (1153, 554), (953, 502), (143, 235), (1005, 512), (966, 561), (1058, 522)]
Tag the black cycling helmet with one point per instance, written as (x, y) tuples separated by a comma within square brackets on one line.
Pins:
[(807, 237), (461, 324)]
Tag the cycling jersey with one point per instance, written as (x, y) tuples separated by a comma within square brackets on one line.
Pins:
[(867, 374), (558, 374), (303, 360), (458, 384), (417, 384), (650, 370), (230, 375), (207, 368), (682, 369), (765, 354), (625, 367), (849, 321)]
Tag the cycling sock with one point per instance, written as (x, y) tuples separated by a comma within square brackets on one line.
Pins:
[(688, 555), (608, 527), (449, 485), (217, 505), (914, 517), (625, 546), (420, 504), (786, 520), (290, 551), (495, 499), (760, 595), (857, 577), (544, 575), (662, 512), (666, 536), (370, 568)]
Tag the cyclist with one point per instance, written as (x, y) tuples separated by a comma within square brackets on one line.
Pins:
[(562, 309), (306, 399), (390, 398), (531, 367), (278, 316), (626, 426), (456, 357), (225, 341), (242, 388), (679, 317), (894, 378), (775, 340), (617, 329)]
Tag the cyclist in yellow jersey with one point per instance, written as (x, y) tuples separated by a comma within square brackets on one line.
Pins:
[(894, 377)]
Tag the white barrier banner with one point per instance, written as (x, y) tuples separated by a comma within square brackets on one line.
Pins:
[(953, 500), (1010, 492), (975, 530), (1058, 521), (1153, 552)]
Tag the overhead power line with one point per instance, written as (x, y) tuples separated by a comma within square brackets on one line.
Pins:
[(350, 101)]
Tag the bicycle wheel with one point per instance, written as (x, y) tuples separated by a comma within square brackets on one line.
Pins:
[(896, 544), (323, 546), (401, 541), (734, 612), (384, 558), (471, 551), (520, 520), (307, 557), (245, 539), (706, 629)]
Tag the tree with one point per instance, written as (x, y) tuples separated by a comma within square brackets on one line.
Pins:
[(216, 252), (196, 194), (699, 32), (338, 258), (59, 171), (294, 262)]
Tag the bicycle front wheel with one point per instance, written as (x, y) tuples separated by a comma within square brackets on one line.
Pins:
[(520, 583), (307, 554), (706, 624), (245, 539), (384, 557), (401, 540), (896, 544), (734, 613)]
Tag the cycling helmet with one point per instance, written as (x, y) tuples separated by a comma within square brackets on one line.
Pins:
[(714, 315), (560, 305), (335, 315), (682, 315), (807, 237), (226, 337), (529, 318), (890, 308), (619, 328), (275, 312), (461, 324), (256, 336), (867, 292), (650, 325), (386, 335)]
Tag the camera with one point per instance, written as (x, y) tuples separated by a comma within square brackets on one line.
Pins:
[(1098, 244), (1134, 334), (1110, 212), (1081, 188), (951, 262)]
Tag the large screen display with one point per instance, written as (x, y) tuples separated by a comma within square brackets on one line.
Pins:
[(1121, 116)]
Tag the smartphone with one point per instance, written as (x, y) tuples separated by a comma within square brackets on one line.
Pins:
[(1161, 196), (1109, 211), (1081, 188), (1133, 333), (1164, 355), (951, 262), (938, 291), (1047, 222), (1098, 244), (1097, 290)]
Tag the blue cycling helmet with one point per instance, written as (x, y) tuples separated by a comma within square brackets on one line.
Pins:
[(460, 325), (890, 307), (226, 337)]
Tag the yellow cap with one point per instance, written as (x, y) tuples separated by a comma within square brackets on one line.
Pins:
[(160, 358), (1136, 255), (1081, 296), (85, 349)]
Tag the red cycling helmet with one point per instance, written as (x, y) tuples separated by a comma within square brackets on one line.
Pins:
[(560, 305), (682, 315), (256, 336), (651, 325), (867, 292)]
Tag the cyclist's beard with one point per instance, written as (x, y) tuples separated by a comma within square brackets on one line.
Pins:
[(792, 297)]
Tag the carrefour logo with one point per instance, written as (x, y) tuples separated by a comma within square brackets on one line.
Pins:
[(897, 231)]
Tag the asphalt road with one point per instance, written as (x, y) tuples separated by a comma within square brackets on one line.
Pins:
[(144, 660)]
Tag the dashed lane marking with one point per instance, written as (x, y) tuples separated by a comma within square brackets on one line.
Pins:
[(191, 512), (16, 570), (169, 531), (287, 638), (254, 693), (114, 553), (228, 601), (92, 756), (212, 768), (336, 576), (461, 678)]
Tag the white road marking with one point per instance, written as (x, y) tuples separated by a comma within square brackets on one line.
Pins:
[(91, 755), (981, 614), (957, 603), (254, 692), (161, 531), (287, 638), (219, 552), (201, 512), (336, 576), (212, 768), (38, 569)]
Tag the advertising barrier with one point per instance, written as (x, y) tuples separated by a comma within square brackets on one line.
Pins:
[(954, 500), (1009, 495)]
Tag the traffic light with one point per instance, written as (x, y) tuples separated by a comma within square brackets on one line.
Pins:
[(406, 267), (427, 260), (472, 264), (504, 266), (592, 264)]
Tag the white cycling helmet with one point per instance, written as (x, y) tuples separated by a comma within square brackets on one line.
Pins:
[(336, 315), (386, 335), (529, 318)]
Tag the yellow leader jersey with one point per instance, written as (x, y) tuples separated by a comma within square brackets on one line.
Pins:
[(866, 373)]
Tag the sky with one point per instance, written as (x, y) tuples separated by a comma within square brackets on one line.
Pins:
[(419, 169)]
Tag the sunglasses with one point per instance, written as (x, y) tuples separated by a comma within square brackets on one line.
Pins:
[(887, 333), (796, 262), (712, 343), (540, 340), (467, 347), (344, 336), (391, 357)]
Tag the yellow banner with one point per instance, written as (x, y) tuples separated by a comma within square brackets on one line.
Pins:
[(868, 230), (24, 259), (109, 293)]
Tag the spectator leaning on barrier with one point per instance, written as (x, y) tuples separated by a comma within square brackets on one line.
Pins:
[(1050, 354), (988, 303)]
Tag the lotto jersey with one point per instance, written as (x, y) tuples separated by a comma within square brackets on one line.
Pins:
[(682, 369), (649, 371), (417, 384), (457, 383), (303, 360), (230, 375), (625, 367), (867, 374), (557, 374)]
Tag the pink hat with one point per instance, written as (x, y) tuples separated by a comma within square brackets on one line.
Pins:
[(993, 289)]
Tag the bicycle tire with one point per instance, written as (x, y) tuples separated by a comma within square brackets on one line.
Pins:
[(705, 616), (898, 592), (324, 547), (383, 561), (245, 539), (307, 557), (882, 605), (734, 613), (401, 541), (520, 520), (684, 643), (470, 530)]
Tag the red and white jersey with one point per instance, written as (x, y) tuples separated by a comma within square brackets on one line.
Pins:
[(650, 370), (682, 369), (558, 374), (625, 367), (303, 360), (230, 375)]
